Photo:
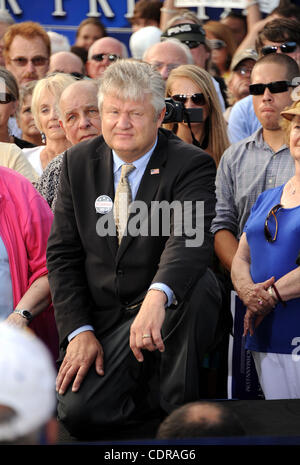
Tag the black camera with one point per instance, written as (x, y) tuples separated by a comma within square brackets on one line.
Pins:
[(177, 113)]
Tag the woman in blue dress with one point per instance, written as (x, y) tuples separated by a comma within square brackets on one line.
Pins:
[(267, 278)]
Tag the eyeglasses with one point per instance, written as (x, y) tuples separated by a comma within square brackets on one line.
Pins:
[(269, 236), (274, 87), (197, 99), (158, 66), (110, 56), (243, 71), (216, 44), (7, 98), (192, 43), (36, 61), (287, 47)]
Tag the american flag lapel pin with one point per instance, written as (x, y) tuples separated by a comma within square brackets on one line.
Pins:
[(154, 171)]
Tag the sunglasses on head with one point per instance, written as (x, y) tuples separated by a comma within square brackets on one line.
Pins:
[(6, 98), (269, 236), (287, 47), (110, 56), (192, 43), (36, 61), (275, 87), (197, 99), (216, 44)]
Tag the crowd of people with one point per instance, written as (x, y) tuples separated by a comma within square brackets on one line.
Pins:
[(140, 186)]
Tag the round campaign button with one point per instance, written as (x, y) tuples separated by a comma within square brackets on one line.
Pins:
[(103, 204)]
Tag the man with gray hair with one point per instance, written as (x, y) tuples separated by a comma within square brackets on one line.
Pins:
[(136, 305), (167, 55), (79, 118)]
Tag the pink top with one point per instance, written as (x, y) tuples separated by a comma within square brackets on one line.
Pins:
[(25, 222)]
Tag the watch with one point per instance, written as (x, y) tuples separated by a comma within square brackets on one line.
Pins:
[(25, 314)]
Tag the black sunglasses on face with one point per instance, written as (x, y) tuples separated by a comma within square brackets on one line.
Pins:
[(287, 47), (275, 87), (6, 98), (36, 61), (110, 56), (192, 43), (272, 212), (197, 99)]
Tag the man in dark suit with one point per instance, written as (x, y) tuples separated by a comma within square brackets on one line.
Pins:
[(135, 317)]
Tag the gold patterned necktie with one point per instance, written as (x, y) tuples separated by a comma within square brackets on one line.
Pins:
[(123, 198)]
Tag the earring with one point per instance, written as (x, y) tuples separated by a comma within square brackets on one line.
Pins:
[(43, 138)]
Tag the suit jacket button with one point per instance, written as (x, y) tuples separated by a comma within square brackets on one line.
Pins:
[(120, 272)]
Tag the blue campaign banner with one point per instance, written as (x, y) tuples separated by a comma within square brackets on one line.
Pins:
[(64, 16)]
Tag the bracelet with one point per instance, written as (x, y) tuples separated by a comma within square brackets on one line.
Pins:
[(278, 295), (167, 10), (272, 294)]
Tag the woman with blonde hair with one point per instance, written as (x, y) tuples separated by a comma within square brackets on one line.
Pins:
[(44, 107), (193, 87)]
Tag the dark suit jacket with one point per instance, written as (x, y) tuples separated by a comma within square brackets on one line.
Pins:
[(91, 278)]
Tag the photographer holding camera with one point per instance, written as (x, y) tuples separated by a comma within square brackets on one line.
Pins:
[(202, 123)]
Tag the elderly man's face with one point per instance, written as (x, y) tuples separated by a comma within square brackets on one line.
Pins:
[(104, 53), (80, 114), (129, 127), (28, 59), (166, 56)]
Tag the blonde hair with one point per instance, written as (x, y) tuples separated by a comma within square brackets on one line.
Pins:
[(217, 137), (55, 84)]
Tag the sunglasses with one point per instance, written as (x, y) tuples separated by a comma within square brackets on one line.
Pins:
[(110, 56), (216, 44), (287, 47), (197, 99), (36, 61), (275, 87), (192, 43), (269, 236), (7, 98)]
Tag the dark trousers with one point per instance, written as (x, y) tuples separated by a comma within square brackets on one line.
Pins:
[(130, 389)]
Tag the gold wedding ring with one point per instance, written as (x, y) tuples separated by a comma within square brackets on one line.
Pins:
[(145, 336)]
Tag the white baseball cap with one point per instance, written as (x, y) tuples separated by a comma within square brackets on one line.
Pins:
[(27, 382)]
